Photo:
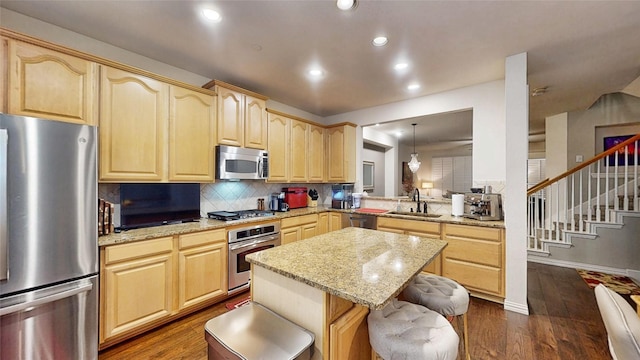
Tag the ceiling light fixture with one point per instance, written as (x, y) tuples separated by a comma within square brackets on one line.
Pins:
[(212, 15), (413, 87), (316, 72), (401, 66), (346, 5), (414, 164), (380, 41), (539, 91)]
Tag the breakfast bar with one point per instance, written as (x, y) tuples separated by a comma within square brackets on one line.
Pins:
[(328, 283)]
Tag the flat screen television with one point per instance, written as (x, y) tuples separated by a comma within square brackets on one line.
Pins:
[(143, 205)]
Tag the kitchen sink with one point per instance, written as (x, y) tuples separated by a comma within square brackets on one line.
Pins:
[(407, 213)]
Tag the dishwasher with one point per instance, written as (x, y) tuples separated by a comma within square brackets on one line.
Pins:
[(359, 220)]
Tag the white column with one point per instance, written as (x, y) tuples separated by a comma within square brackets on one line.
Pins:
[(517, 144)]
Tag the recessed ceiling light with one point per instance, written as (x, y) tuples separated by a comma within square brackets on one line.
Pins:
[(398, 133), (413, 87), (346, 4), (401, 66), (380, 41), (212, 15), (316, 72)]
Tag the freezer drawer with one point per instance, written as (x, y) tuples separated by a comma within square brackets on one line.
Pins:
[(58, 322)]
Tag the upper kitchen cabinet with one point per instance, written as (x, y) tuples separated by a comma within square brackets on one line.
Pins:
[(315, 154), (341, 153), (242, 116), (192, 122), (298, 152), (49, 84), (133, 122), (278, 147)]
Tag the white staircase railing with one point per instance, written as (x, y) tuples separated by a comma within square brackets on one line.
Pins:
[(594, 193)]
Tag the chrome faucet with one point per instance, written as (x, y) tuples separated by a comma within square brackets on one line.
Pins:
[(416, 197)]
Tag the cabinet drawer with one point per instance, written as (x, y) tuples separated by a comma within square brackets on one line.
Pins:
[(201, 238), (424, 227), (138, 249), (476, 251), (299, 220), (474, 232), (474, 276)]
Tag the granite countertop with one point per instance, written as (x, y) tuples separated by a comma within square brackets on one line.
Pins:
[(210, 224), (367, 267)]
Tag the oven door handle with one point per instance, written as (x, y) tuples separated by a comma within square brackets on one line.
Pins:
[(254, 242)]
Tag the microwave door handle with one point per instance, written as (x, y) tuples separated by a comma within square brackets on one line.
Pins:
[(260, 170), (4, 254)]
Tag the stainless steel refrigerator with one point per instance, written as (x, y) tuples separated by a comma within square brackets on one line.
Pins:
[(48, 240)]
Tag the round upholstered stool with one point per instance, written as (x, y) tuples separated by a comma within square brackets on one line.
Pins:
[(406, 331), (443, 296)]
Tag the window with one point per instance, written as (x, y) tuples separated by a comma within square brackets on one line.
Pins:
[(368, 174)]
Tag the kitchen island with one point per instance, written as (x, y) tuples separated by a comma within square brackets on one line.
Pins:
[(328, 283)]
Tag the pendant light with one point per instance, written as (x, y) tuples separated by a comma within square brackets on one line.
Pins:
[(414, 164)]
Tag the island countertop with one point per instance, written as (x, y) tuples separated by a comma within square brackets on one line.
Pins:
[(367, 267)]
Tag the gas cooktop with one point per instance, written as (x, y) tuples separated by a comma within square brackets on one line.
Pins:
[(237, 215)]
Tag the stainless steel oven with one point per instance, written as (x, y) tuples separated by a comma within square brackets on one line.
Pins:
[(244, 241)]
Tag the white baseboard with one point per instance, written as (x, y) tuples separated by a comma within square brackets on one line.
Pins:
[(575, 265), (516, 307)]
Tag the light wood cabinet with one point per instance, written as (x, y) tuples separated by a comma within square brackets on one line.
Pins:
[(192, 122), (49, 84), (341, 153), (202, 260), (474, 257), (146, 283), (278, 147), (133, 124), (315, 154), (298, 151), (425, 229), (349, 336), (140, 116), (323, 223), (137, 285), (298, 228), (242, 116), (335, 221)]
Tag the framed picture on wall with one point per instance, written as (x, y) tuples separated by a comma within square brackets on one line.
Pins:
[(620, 158), (407, 178)]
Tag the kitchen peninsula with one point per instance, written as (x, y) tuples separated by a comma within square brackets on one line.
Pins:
[(328, 283)]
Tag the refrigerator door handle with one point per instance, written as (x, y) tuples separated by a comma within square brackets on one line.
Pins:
[(43, 300), (4, 254)]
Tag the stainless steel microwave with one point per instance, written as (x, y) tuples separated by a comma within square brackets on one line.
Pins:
[(236, 163)]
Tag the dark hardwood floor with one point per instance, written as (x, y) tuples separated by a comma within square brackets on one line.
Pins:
[(564, 324)]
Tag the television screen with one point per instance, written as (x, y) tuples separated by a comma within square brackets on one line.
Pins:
[(620, 158), (143, 205)]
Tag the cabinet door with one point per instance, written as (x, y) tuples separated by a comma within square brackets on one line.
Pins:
[(341, 154), (255, 123), (191, 136), (202, 274), (230, 117), (278, 148), (323, 223), (315, 155), (137, 280), (290, 235), (308, 230), (298, 151), (335, 221), (47, 84), (133, 123), (349, 336)]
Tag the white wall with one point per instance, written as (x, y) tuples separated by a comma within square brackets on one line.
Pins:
[(377, 156), (391, 173)]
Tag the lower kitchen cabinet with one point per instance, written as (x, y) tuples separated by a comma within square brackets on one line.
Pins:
[(323, 223), (349, 335), (202, 260), (418, 228), (335, 221), (474, 257), (298, 228), (136, 282), (146, 283)]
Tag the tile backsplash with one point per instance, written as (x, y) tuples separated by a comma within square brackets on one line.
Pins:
[(229, 195)]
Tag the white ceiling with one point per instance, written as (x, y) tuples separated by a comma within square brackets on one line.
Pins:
[(578, 49)]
